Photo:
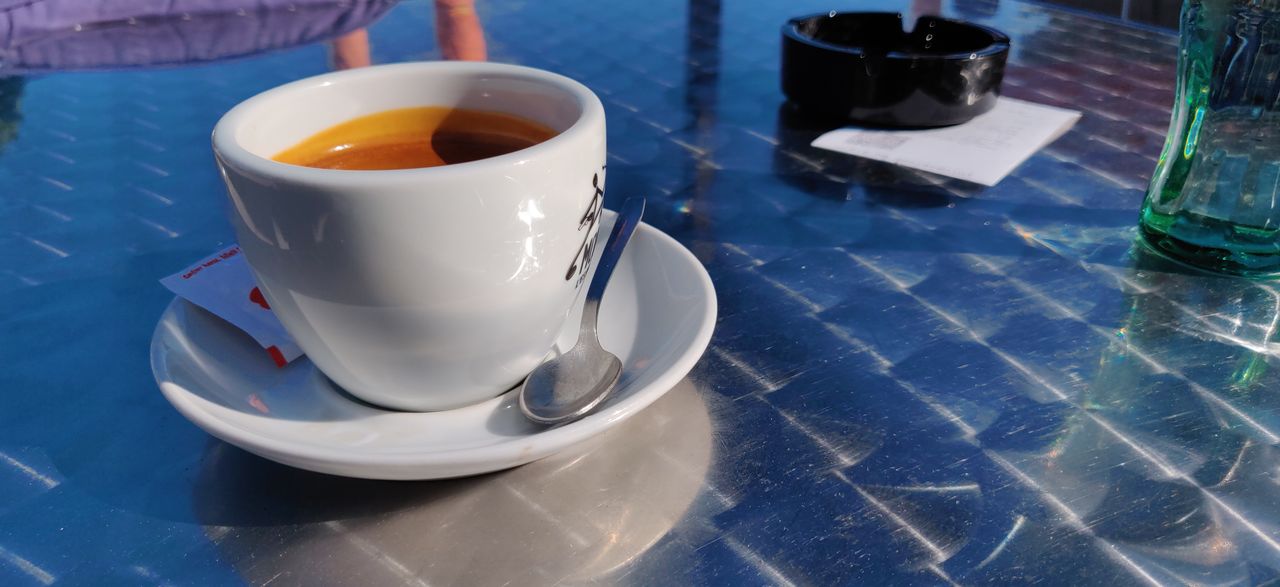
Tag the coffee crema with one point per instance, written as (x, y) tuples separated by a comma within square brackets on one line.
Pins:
[(407, 138)]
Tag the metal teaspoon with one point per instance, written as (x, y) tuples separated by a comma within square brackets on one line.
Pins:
[(568, 386)]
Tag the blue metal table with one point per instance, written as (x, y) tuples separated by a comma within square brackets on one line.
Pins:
[(914, 380)]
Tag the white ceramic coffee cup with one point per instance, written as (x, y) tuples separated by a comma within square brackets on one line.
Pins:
[(419, 289)]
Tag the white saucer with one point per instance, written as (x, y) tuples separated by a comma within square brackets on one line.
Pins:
[(657, 316)]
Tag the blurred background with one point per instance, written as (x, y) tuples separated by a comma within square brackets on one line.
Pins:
[(1161, 13)]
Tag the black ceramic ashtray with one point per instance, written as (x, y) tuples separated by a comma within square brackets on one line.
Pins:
[(863, 67)]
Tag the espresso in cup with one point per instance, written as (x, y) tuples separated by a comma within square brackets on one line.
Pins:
[(426, 264), (407, 138)]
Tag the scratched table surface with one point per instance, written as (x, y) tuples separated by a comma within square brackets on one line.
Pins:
[(914, 380)]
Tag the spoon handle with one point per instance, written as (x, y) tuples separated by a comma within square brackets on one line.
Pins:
[(623, 227), (628, 219)]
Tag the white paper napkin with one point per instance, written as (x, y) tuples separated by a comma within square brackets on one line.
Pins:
[(983, 150)]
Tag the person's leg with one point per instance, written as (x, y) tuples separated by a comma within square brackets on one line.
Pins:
[(458, 30), (350, 50)]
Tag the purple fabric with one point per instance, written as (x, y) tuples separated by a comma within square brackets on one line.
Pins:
[(43, 35)]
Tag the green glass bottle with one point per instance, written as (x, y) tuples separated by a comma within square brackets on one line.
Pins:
[(1214, 199)]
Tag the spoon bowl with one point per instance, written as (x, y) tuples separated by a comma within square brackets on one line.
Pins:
[(579, 379)]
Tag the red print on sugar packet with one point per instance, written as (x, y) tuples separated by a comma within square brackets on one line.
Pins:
[(255, 296)]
